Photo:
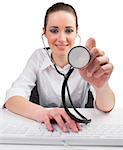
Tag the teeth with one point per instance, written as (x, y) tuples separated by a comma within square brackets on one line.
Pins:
[(61, 45)]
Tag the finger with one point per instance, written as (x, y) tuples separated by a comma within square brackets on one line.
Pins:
[(71, 123), (96, 53), (96, 64), (90, 43), (61, 123), (105, 69), (48, 124), (57, 117)]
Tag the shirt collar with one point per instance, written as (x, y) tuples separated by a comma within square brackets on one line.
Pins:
[(47, 61)]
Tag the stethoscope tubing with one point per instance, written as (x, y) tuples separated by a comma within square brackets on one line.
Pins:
[(64, 86)]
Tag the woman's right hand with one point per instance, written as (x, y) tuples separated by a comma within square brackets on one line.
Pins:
[(60, 117)]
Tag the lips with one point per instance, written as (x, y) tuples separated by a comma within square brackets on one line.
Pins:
[(61, 46)]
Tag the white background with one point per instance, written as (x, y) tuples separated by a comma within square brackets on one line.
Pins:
[(21, 23)]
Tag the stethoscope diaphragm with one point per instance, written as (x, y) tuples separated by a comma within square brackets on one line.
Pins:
[(79, 57)]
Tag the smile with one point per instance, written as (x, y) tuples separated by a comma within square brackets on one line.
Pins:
[(61, 46)]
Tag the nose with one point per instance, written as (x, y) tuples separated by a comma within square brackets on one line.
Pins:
[(62, 37)]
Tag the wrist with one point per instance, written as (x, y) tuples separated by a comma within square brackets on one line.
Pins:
[(39, 113), (104, 88), (105, 99)]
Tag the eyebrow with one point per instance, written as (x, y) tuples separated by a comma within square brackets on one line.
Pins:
[(69, 27), (58, 27), (53, 27)]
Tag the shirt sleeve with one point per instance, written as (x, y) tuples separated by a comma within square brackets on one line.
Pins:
[(26, 81), (94, 95)]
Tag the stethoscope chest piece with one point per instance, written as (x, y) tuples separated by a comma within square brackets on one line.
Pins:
[(79, 57)]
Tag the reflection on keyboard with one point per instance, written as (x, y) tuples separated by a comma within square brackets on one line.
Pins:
[(36, 133)]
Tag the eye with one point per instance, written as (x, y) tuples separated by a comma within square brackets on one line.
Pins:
[(54, 30), (69, 31)]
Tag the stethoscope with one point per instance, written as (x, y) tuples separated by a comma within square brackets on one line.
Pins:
[(78, 57)]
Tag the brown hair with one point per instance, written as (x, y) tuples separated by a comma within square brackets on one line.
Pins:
[(57, 7)]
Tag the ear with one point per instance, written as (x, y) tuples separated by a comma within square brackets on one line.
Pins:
[(43, 31)]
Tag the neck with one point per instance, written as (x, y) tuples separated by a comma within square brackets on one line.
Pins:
[(60, 61)]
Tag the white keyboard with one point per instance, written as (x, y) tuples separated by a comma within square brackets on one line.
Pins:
[(36, 133)]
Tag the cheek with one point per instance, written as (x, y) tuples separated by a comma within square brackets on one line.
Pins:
[(72, 40), (51, 39)]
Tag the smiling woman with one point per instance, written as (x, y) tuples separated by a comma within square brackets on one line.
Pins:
[(61, 29), (61, 32)]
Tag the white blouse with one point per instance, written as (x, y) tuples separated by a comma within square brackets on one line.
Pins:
[(40, 69)]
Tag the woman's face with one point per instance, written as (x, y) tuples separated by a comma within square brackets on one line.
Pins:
[(61, 32)]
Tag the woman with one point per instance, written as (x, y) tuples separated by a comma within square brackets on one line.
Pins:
[(61, 30)]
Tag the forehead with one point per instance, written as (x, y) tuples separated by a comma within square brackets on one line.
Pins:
[(61, 18)]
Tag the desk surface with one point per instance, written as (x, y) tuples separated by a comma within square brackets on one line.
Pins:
[(38, 147), (114, 116)]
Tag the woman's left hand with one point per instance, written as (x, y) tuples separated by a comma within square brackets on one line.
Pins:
[(99, 69)]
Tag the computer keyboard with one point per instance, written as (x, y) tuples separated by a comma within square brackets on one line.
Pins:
[(36, 133)]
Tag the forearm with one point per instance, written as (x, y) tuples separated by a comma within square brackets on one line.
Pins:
[(21, 106), (105, 99)]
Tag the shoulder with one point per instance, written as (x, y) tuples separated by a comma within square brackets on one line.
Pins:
[(39, 54)]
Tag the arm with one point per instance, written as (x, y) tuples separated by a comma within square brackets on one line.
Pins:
[(97, 73), (18, 95), (23, 107), (105, 99)]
